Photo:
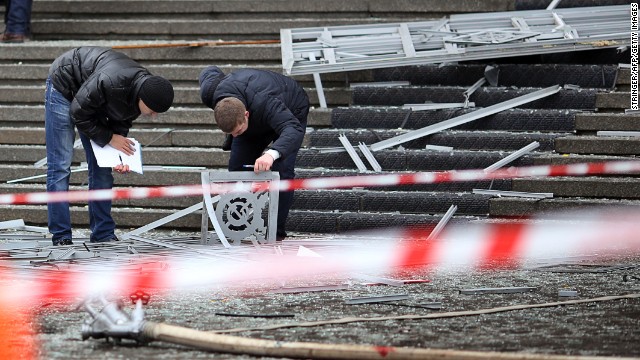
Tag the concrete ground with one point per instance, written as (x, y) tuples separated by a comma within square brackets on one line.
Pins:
[(603, 327)]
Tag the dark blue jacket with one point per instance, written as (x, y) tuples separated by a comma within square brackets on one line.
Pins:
[(276, 103)]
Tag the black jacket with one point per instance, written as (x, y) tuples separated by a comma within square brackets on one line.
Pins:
[(277, 105), (103, 86)]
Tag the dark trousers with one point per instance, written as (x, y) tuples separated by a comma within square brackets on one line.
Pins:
[(245, 151), (17, 16)]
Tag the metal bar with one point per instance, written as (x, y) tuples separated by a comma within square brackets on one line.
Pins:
[(372, 160), (618, 133), (405, 37), (10, 224), (443, 222), (352, 152), (505, 193), (553, 4), (463, 119), (437, 106), (518, 153), (376, 299), (438, 148), (162, 221), (41, 176), (501, 290), (379, 280), (381, 84), (318, 83), (208, 210)]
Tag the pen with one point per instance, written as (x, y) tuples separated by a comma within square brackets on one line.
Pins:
[(120, 159), (247, 166)]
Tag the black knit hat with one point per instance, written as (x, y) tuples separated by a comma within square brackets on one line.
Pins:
[(209, 79), (157, 93)]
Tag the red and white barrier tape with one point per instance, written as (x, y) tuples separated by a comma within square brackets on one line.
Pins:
[(470, 247), (621, 167)]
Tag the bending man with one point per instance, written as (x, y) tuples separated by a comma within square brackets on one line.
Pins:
[(100, 92), (266, 113)]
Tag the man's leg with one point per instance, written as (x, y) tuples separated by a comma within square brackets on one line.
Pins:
[(18, 17), (286, 169), (100, 220), (59, 137)]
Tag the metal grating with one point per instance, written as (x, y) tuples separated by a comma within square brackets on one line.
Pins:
[(458, 38)]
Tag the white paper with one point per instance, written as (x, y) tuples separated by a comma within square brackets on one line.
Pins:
[(108, 156)]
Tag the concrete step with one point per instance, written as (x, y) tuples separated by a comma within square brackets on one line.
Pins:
[(180, 74), (174, 204), (234, 9), (327, 200), (144, 51), (604, 145), (552, 208), (175, 156), (607, 122), (469, 140), (520, 75), (342, 221), (611, 187), (411, 160), (565, 159), (165, 177), (483, 97), (184, 96), (391, 201), (116, 28), (146, 137), (176, 117), (299, 220), (613, 101), (462, 186), (389, 160), (388, 117), (170, 176)]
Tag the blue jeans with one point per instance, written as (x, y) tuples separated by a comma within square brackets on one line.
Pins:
[(60, 136), (17, 17)]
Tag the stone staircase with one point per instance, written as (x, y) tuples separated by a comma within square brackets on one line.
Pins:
[(564, 124)]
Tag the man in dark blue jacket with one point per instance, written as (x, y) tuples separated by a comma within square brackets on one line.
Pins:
[(100, 92), (266, 113)]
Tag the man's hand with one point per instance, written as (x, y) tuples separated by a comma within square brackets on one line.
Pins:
[(122, 169), (123, 144), (263, 163)]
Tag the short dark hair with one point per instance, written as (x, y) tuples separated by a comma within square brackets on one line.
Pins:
[(229, 113)]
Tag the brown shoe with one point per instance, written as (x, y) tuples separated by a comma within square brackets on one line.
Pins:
[(13, 38)]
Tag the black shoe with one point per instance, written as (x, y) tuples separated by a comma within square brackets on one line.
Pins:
[(62, 242)]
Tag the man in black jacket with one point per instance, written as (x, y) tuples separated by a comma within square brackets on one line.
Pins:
[(100, 92), (266, 113)]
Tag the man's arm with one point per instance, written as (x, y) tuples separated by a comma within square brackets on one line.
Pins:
[(85, 108)]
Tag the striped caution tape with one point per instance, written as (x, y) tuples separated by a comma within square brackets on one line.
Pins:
[(620, 167)]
